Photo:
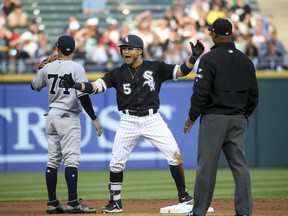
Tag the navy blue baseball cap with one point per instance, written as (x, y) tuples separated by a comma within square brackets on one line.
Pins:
[(132, 41), (66, 44), (221, 27)]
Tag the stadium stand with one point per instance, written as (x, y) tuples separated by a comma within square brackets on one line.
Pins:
[(52, 17)]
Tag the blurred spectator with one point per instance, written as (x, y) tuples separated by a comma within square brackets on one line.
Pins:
[(105, 39), (243, 10), (199, 9), (258, 35), (92, 25), (143, 22), (156, 50), (44, 48), (169, 16), (179, 24), (272, 54), (124, 30), (93, 6), (161, 29), (238, 26), (105, 54), (17, 18), (268, 23), (88, 36), (174, 36), (187, 28), (8, 7), (73, 25), (15, 38), (251, 50), (174, 53), (33, 28), (5, 36), (29, 39), (240, 42), (258, 25), (28, 44), (215, 12), (2, 19), (113, 31), (179, 11), (23, 60), (223, 3)]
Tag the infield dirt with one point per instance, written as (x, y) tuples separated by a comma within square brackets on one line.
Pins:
[(148, 207)]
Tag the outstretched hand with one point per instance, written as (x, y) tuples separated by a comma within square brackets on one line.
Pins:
[(197, 49), (66, 81)]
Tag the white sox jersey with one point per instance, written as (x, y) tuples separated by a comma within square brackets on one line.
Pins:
[(138, 99), (61, 98), (139, 89)]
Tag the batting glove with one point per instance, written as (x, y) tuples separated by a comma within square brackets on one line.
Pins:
[(66, 81), (197, 50)]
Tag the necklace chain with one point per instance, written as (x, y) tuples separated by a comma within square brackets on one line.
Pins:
[(136, 70)]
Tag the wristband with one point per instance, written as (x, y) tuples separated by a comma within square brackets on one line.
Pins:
[(184, 69), (77, 86), (192, 59), (88, 87)]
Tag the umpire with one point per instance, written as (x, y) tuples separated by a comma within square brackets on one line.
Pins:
[(225, 94)]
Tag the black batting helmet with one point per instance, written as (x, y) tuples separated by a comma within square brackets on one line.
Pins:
[(132, 41)]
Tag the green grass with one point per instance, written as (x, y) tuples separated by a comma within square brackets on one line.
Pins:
[(156, 184)]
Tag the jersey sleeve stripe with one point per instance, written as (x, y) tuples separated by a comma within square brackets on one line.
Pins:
[(175, 72), (34, 88)]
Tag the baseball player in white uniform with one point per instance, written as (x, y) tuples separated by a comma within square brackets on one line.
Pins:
[(63, 125), (137, 83)]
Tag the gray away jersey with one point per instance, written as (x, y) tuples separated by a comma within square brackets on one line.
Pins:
[(62, 98)]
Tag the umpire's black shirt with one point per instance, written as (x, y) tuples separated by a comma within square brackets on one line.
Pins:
[(225, 83)]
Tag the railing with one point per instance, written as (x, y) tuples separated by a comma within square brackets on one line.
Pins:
[(28, 66)]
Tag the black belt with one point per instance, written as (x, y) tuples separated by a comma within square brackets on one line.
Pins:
[(139, 113)]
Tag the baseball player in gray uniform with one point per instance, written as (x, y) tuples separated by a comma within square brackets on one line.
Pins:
[(137, 83), (63, 125)]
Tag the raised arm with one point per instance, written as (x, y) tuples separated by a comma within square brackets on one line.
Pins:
[(187, 66)]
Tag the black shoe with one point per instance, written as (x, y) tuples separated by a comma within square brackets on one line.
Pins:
[(112, 207), (241, 215), (55, 207), (185, 199), (76, 206)]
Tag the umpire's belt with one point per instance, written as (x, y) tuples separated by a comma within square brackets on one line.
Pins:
[(140, 113)]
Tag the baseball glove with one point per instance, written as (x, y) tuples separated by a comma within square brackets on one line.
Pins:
[(47, 60)]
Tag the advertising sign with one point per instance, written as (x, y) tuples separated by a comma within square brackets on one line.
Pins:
[(23, 142)]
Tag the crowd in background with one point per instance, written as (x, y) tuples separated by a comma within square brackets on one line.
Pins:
[(165, 38)]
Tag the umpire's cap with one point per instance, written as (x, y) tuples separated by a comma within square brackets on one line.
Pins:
[(221, 27), (66, 44), (132, 41)]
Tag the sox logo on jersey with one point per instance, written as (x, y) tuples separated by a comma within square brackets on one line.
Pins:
[(149, 80)]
